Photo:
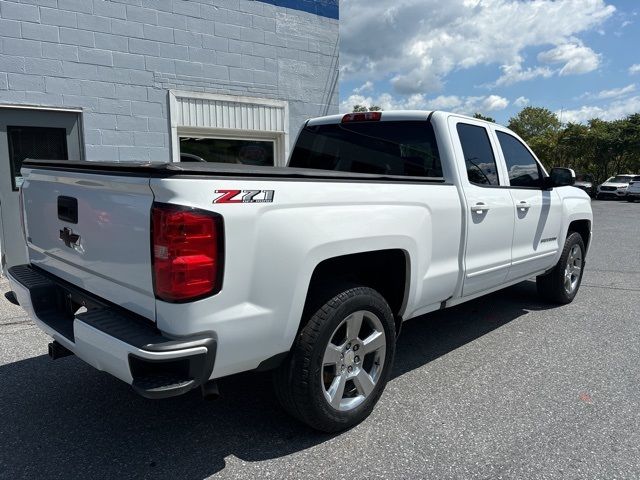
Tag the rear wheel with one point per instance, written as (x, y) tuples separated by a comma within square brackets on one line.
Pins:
[(562, 284), (340, 361)]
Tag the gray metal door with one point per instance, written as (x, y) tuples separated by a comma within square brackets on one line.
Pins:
[(29, 133)]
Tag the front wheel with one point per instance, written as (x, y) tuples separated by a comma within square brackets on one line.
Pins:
[(562, 283), (340, 361)]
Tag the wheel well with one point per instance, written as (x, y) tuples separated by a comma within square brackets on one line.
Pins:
[(583, 228), (386, 271)]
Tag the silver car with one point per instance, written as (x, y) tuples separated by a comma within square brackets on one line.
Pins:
[(633, 190)]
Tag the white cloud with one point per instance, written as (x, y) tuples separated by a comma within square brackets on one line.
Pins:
[(616, 92), (419, 101), (613, 111), (445, 102), (418, 43), (513, 74), (494, 102), (610, 93), (365, 87), (576, 58), (633, 69), (521, 102)]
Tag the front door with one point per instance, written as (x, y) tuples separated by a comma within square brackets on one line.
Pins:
[(36, 134), (489, 208), (537, 212)]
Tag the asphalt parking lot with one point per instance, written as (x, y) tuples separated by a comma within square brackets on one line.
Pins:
[(501, 387)]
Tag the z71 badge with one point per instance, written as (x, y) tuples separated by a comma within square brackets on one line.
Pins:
[(244, 196)]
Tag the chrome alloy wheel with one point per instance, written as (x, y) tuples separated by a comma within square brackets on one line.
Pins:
[(353, 360), (573, 269)]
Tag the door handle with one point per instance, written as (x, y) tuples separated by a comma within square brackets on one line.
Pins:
[(524, 206), (479, 208)]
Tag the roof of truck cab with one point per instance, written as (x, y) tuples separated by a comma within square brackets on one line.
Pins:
[(390, 115), (394, 116)]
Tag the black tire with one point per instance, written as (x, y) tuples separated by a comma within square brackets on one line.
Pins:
[(598, 196), (298, 381), (551, 285), (631, 200)]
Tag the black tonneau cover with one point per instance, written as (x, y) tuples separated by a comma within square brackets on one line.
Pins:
[(163, 170)]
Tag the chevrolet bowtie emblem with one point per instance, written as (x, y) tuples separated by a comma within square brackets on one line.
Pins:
[(69, 238)]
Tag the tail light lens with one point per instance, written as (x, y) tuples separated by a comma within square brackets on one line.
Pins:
[(188, 252)]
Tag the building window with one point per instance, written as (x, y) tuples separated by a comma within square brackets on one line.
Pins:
[(36, 143), (227, 150), (230, 129)]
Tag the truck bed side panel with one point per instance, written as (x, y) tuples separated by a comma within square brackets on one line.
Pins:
[(272, 249)]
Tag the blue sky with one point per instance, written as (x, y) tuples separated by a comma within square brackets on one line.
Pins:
[(579, 58)]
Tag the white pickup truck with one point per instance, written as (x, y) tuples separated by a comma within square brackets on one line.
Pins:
[(170, 276)]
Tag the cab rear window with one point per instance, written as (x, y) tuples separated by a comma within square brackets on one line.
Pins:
[(406, 148)]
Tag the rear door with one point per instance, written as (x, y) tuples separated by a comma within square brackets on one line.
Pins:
[(93, 230), (489, 207), (537, 212)]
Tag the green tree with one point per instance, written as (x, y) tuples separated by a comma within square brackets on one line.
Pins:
[(364, 108), (483, 117), (534, 122), (575, 148), (610, 148)]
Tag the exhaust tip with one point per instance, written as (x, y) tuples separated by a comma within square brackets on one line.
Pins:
[(56, 351), (210, 390)]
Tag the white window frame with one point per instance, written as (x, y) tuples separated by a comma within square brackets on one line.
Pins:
[(280, 138)]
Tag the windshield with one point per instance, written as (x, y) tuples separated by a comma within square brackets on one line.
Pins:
[(620, 179)]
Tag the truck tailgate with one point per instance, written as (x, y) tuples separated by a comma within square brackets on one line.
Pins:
[(92, 230)]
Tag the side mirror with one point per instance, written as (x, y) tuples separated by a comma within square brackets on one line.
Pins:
[(560, 177)]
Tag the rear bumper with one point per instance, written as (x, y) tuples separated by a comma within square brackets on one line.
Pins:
[(114, 340)]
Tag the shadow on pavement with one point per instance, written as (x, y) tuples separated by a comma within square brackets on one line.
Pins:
[(64, 419)]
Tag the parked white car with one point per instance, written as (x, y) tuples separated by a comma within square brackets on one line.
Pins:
[(633, 190), (614, 187), (169, 276)]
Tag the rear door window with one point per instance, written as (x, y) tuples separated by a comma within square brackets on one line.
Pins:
[(405, 148), (478, 155)]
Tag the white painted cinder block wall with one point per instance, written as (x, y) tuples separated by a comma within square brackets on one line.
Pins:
[(117, 59)]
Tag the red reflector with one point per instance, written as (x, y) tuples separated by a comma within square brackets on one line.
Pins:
[(187, 252), (362, 117)]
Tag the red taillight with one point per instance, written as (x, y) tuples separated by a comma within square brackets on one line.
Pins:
[(188, 252), (362, 117)]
